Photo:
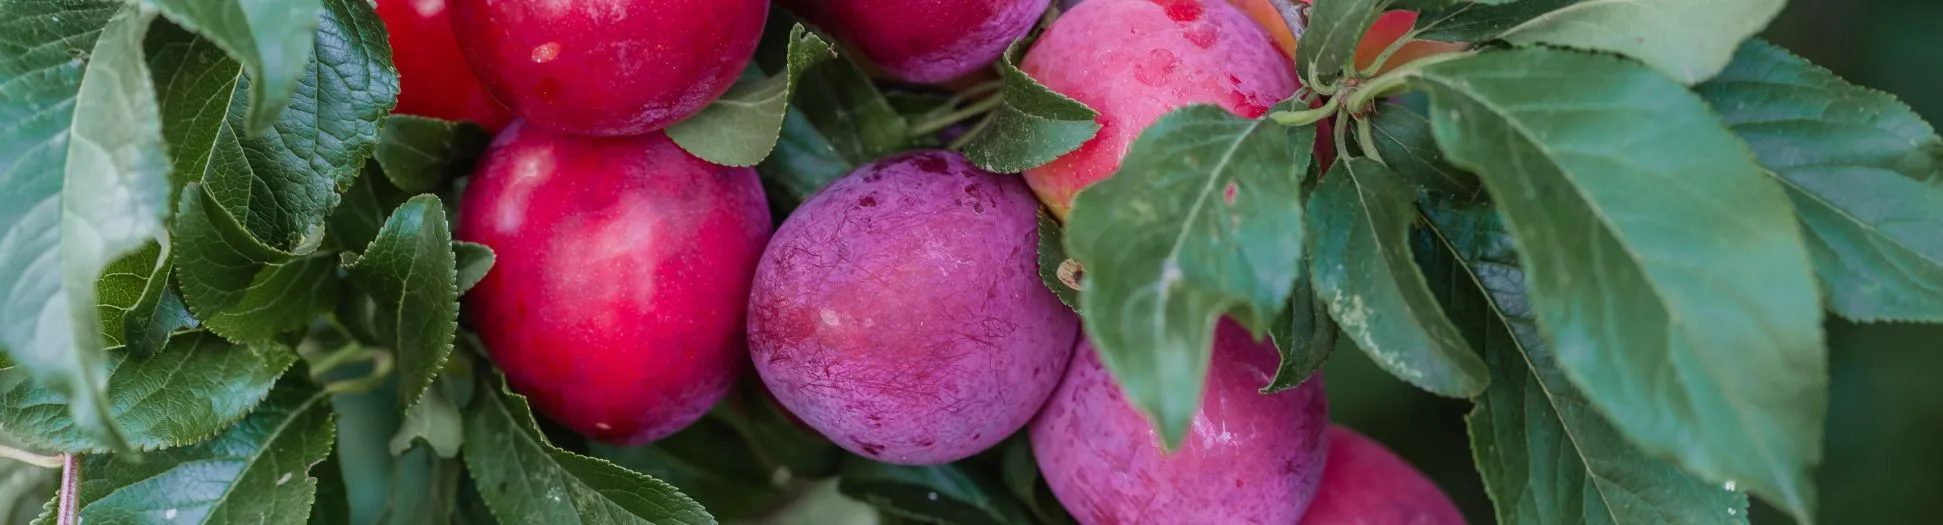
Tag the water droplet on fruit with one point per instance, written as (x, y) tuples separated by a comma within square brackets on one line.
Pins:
[(546, 52)]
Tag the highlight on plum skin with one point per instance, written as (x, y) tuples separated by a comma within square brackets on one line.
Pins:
[(611, 68), (1247, 457), (900, 311), (623, 269), (1135, 60)]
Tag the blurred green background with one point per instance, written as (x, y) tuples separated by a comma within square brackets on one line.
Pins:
[(1883, 463)]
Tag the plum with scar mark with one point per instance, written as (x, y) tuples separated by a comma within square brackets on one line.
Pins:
[(900, 311)]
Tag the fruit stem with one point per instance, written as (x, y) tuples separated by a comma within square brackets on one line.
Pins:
[(1307, 116), (945, 121), (1389, 83), (29, 457), (1366, 141)]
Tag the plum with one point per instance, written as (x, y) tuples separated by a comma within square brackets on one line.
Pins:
[(623, 271), (900, 311), (1248, 457), (1366, 484), (926, 42), (433, 80), (616, 67), (1135, 60)]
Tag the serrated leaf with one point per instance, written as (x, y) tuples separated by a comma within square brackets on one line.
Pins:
[(1032, 125), (473, 260), (933, 494), (708, 461), (86, 175), (1361, 268), (741, 127), (843, 105), (803, 162), (139, 310), (1403, 138), (1864, 172), (332, 506), (1663, 265), (1328, 46), (366, 204), (185, 393), (1052, 258), (525, 479), (411, 272), (271, 38), (1685, 39), (1478, 22), (1203, 218), (239, 293), (194, 80), (434, 420), (418, 153), (1546, 455), (1305, 335), (256, 472)]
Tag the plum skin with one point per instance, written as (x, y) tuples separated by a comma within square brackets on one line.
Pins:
[(1366, 484), (925, 41), (1247, 458), (620, 67), (900, 312), (623, 269), (433, 80), (1135, 60)]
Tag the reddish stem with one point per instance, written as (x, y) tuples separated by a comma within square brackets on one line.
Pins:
[(69, 510)]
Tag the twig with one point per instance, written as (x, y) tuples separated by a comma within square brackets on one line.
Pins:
[(68, 512)]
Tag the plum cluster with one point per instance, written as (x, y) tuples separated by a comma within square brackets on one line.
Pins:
[(899, 311)]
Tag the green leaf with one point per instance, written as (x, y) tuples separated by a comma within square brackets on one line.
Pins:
[(183, 394), (525, 479), (473, 261), (776, 435), (366, 204), (1202, 218), (194, 81), (1328, 46), (1431, 5), (1663, 265), (411, 272), (333, 506), (436, 421), (271, 38), (423, 489), (1022, 478), (1362, 269), (842, 103), (418, 153), (934, 494), (24, 487), (1479, 22), (804, 161), (139, 310), (741, 127), (1304, 334), (1546, 455), (1687, 40), (1032, 126), (256, 472), (85, 170), (710, 462), (1052, 258), (238, 292), (1864, 172), (1403, 138)]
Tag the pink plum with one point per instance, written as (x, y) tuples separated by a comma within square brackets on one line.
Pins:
[(1366, 484), (928, 41), (900, 311), (623, 273), (1135, 60), (433, 80), (1248, 458)]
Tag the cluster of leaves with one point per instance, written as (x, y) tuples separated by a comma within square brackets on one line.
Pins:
[(1617, 237)]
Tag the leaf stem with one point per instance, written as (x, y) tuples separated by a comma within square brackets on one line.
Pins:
[(939, 124), (1342, 146), (1307, 116), (1366, 141), (1383, 85), (958, 144), (68, 510), (29, 457)]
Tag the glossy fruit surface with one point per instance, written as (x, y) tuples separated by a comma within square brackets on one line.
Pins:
[(1366, 484), (433, 80), (925, 41), (622, 274), (900, 311), (610, 67), (1247, 458), (1135, 60)]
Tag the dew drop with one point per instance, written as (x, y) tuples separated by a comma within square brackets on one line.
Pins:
[(168, 514), (1730, 486), (1732, 512)]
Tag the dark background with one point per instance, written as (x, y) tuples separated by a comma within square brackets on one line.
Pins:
[(1883, 460)]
